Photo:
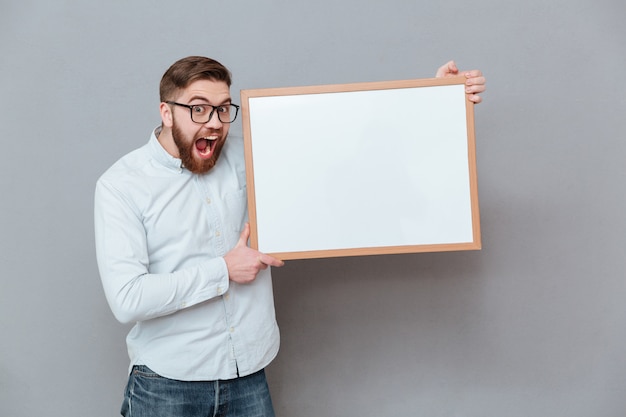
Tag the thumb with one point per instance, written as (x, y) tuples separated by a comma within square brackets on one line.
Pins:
[(448, 68), (244, 236)]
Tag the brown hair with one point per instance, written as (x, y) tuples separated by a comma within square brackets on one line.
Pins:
[(187, 70)]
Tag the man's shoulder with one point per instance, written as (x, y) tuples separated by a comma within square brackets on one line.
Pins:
[(130, 165)]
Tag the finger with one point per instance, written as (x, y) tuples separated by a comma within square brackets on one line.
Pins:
[(244, 236), (475, 81), (271, 261), (452, 68), (449, 68), (475, 98), (475, 89), (473, 73), (260, 264)]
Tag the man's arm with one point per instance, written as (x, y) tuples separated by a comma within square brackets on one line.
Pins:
[(133, 293)]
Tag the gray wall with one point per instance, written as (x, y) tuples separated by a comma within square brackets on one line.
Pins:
[(532, 325)]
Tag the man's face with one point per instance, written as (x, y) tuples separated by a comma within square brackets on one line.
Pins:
[(200, 144)]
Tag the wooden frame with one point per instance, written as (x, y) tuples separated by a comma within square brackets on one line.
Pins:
[(361, 169)]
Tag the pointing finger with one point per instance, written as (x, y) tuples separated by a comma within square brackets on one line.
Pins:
[(270, 260)]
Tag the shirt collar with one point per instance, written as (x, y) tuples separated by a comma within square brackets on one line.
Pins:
[(161, 155)]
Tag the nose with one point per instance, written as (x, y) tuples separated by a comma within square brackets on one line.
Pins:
[(214, 121)]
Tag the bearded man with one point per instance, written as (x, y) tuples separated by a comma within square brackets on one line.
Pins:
[(171, 242)]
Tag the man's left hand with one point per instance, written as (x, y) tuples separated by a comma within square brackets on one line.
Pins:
[(474, 80)]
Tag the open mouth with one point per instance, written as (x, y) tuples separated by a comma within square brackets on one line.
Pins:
[(205, 146)]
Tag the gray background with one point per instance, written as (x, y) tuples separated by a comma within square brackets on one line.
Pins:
[(532, 325)]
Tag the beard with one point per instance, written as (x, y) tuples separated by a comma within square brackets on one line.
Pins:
[(186, 148)]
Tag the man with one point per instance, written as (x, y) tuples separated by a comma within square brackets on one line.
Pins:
[(171, 242)]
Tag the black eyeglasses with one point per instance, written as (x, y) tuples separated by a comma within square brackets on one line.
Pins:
[(202, 113)]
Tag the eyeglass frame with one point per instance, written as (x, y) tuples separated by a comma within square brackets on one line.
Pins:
[(191, 106)]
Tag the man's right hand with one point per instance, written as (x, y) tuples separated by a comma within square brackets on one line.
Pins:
[(244, 263)]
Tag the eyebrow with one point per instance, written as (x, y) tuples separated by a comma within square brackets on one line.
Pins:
[(228, 100)]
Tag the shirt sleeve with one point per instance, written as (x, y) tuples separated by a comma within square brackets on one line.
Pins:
[(133, 293)]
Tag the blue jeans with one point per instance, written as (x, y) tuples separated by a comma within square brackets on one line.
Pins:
[(151, 395)]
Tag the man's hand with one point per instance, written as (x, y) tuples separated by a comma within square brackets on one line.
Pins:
[(244, 263), (474, 83)]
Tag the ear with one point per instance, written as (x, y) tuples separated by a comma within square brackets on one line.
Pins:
[(166, 115)]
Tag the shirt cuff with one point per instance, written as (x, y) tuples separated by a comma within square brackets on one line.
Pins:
[(217, 276)]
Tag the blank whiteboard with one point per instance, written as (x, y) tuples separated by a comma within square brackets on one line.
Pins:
[(361, 169)]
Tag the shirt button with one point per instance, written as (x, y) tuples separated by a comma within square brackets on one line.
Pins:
[(208, 200), (218, 233), (232, 330)]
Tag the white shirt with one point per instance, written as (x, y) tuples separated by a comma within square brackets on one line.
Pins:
[(161, 234)]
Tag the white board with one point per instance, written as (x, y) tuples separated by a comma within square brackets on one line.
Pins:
[(358, 169)]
